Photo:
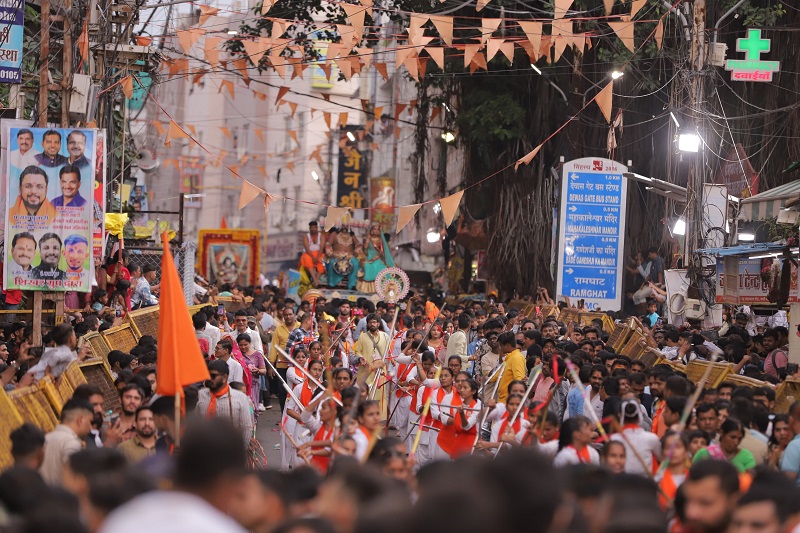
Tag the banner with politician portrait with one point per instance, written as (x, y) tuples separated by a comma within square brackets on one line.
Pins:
[(49, 191)]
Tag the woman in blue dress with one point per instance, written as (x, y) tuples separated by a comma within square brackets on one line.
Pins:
[(378, 256)]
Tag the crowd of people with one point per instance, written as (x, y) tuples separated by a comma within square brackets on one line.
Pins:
[(415, 416)]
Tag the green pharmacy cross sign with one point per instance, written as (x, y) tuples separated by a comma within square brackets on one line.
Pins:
[(752, 68)]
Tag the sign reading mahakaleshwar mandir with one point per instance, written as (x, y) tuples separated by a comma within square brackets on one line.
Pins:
[(752, 67)]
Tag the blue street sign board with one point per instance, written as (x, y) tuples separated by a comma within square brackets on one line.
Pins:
[(11, 32), (592, 232)]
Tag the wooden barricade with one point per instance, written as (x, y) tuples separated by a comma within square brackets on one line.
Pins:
[(144, 321), (121, 338), (98, 344), (74, 375), (651, 357), (54, 393), (34, 407), (786, 394), (695, 370), (618, 337), (635, 346), (10, 419), (746, 381), (97, 372)]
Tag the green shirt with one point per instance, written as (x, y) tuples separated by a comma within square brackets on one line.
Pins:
[(743, 461)]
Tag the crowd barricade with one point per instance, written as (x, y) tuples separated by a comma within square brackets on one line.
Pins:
[(719, 371), (786, 394), (10, 419), (32, 404)]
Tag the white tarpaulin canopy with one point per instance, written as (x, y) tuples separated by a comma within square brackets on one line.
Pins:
[(768, 204)]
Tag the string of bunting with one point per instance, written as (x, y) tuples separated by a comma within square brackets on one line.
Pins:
[(449, 204)]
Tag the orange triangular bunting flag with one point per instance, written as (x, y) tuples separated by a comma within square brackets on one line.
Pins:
[(226, 132), (293, 135), (334, 216), (533, 31), (381, 68), (609, 6), (624, 31), (356, 16), (377, 111), (210, 50), (187, 38), (488, 27), (527, 158), (224, 223), (636, 5), (343, 119), (228, 85), (659, 36), (469, 52), (179, 363), (561, 8), (256, 49), (444, 25), (127, 86), (434, 113), (405, 213), (413, 67), (206, 12), (604, 100), (174, 132), (507, 48), (437, 54), (327, 117), (493, 46), (249, 193), (281, 93), (293, 107), (481, 4), (450, 206)]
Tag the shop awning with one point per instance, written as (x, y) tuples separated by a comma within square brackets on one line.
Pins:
[(768, 204)]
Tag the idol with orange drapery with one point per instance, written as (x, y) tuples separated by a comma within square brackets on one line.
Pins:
[(313, 258), (378, 257)]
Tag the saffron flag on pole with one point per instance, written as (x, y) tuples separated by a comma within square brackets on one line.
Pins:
[(179, 362)]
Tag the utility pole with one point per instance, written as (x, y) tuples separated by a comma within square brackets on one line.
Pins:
[(695, 238), (44, 64), (66, 79)]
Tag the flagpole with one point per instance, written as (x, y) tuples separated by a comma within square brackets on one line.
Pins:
[(285, 385), (178, 418)]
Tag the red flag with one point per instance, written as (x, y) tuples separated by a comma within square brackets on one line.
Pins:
[(224, 223), (180, 362)]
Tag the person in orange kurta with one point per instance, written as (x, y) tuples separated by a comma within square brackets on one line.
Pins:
[(32, 209), (312, 258)]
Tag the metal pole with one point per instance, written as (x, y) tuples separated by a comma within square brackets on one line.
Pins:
[(696, 97), (44, 64)]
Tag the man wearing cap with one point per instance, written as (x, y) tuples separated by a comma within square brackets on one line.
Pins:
[(219, 399)]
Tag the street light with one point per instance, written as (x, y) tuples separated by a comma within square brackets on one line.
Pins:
[(448, 137), (232, 32), (433, 236), (315, 175), (689, 142), (746, 237), (680, 227), (615, 75), (351, 136)]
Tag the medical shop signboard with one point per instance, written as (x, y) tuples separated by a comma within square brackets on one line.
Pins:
[(752, 67), (592, 232)]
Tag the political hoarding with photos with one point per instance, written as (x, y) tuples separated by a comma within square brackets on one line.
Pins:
[(49, 196)]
